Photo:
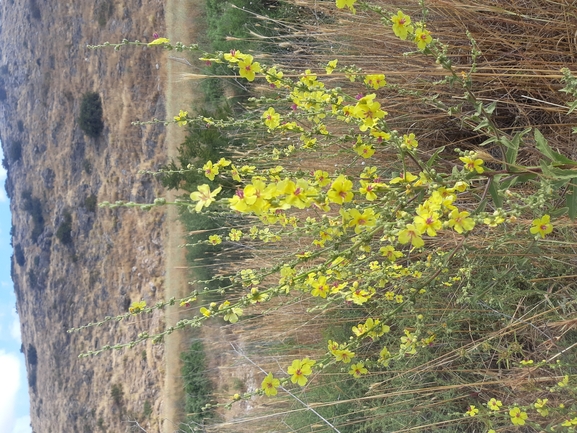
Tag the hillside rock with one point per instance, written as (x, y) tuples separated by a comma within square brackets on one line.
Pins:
[(74, 262)]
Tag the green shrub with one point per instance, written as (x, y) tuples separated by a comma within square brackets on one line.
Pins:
[(15, 152), (117, 394), (65, 229), (19, 255), (103, 11), (33, 206), (90, 119), (147, 410), (197, 386), (90, 203)]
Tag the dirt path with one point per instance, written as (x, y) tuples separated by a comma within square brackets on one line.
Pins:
[(180, 19)]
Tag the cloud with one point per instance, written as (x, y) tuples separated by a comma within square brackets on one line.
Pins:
[(15, 330), (10, 380), (22, 425)]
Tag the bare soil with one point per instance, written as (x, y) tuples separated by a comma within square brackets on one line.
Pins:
[(180, 23)]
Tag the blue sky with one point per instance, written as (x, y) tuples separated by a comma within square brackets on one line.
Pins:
[(14, 403)]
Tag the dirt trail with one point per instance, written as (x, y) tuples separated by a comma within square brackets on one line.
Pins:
[(180, 18)]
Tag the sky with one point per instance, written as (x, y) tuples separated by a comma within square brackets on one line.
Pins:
[(14, 401)]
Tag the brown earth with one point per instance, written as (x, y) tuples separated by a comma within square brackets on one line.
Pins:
[(180, 20)]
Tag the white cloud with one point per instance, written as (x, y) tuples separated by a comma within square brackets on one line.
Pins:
[(22, 425), (15, 329), (10, 380)]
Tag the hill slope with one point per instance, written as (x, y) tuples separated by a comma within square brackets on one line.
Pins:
[(74, 262)]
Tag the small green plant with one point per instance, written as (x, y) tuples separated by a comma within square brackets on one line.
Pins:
[(117, 394), (14, 152), (87, 165), (90, 203), (33, 206), (103, 11), (90, 119), (64, 231), (147, 409), (19, 255), (197, 387)]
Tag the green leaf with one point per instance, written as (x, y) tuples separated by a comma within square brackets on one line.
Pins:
[(556, 213), (572, 106), (483, 124), (488, 141), (571, 198), (513, 147), (491, 107), (494, 191), (545, 149), (432, 159), (555, 173)]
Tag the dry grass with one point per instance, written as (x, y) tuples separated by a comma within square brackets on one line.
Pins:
[(523, 46)]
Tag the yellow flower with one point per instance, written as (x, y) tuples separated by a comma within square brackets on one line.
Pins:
[(494, 404), (422, 38), (405, 177), (365, 150), (182, 118), (411, 234), (204, 196), (517, 416), (299, 370), (409, 141), (384, 357), (401, 25), (271, 118), (344, 355), (223, 162), (427, 221), (159, 41), (340, 191), (564, 382), (273, 76), (362, 221), (542, 226), (234, 56), (322, 178), (472, 411), (390, 253), (137, 307), (348, 3), (472, 163), (540, 406), (270, 385), (214, 239), (247, 68), (358, 369), (186, 302), (369, 111), (460, 222), (210, 170), (331, 66), (376, 81), (235, 235)]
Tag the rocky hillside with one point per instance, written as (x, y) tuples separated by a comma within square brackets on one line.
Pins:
[(74, 262)]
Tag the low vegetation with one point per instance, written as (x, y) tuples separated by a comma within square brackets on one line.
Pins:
[(90, 119)]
